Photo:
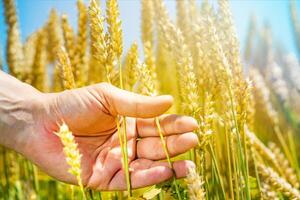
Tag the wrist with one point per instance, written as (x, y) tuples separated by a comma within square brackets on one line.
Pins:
[(19, 103)]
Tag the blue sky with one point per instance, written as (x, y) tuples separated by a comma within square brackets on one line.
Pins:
[(34, 13)]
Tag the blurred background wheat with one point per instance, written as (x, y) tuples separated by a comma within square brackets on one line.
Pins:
[(237, 74)]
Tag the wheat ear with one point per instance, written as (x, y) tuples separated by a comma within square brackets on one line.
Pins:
[(147, 87), (195, 185), (268, 193), (98, 43), (40, 61), (114, 28), (229, 39), (225, 74), (29, 54), (55, 41), (176, 43), (131, 66), (278, 183), (182, 17), (289, 173), (147, 22), (114, 39), (81, 45), (64, 64), (263, 151), (54, 35), (115, 50), (69, 39), (73, 156), (14, 51)]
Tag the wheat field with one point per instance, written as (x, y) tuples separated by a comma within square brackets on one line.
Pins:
[(246, 105)]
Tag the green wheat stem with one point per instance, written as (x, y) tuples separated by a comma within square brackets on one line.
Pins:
[(294, 153), (120, 195), (246, 164), (99, 195), (167, 155), (229, 164), (256, 171), (35, 178), (128, 182), (91, 194), (243, 164), (283, 144), (219, 178), (235, 172), (126, 165), (72, 192), (121, 141), (82, 189)]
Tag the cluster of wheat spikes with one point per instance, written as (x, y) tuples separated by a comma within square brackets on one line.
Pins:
[(196, 58)]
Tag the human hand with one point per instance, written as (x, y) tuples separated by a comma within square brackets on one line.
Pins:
[(90, 113)]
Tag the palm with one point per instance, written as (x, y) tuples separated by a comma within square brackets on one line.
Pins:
[(91, 115)]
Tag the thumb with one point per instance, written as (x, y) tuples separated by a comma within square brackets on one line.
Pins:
[(129, 104)]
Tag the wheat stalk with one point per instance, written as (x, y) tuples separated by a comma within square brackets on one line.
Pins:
[(185, 18), (228, 36), (182, 17), (70, 147), (73, 156), (147, 87), (289, 173), (267, 192), (206, 120), (265, 152), (14, 51), (114, 29), (29, 55), (98, 43), (55, 41), (203, 69), (64, 64), (147, 22), (69, 39), (225, 75), (263, 95), (114, 39), (176, 43), (195, 185), (39, 75), (278, 183), (54, 34), (81, 45), (115, 50), (131, 66)]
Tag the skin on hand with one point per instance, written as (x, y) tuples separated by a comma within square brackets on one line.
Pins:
[(90, 112)]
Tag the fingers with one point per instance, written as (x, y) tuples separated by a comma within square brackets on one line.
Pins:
[(170, 124), (151, 147), (146, 172), (134, 105)]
